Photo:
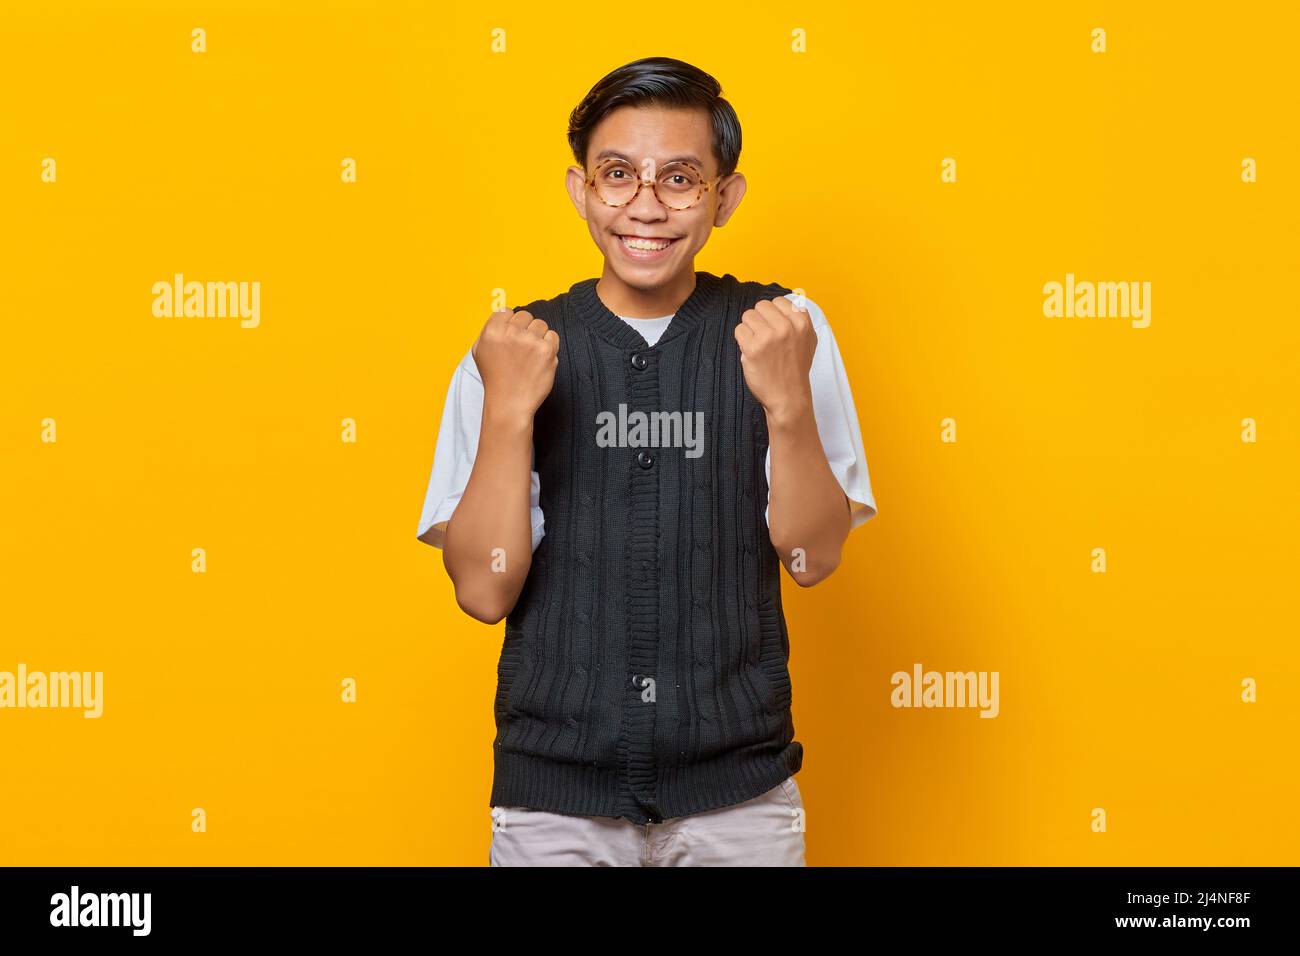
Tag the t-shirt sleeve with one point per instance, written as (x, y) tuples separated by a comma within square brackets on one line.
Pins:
[(453, 459), (837, 421)]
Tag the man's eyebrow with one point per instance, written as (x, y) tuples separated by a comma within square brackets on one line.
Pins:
[(615, 154)]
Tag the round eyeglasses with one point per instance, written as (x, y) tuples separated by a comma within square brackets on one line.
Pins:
[(677, 185)]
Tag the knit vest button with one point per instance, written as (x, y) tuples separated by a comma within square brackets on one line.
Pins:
[(639, 361), (645, 459)]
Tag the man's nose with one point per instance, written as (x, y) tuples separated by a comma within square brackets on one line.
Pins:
[(647, 206)]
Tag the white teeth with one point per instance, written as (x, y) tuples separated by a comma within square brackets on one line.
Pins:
[(646, 245)]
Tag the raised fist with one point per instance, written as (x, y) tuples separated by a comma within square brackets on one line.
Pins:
[(777, 343), (516, 356)]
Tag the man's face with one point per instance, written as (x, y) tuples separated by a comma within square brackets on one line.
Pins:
[(648, 138)]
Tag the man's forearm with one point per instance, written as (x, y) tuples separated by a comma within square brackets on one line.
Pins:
[(808, 512), (493, 513)]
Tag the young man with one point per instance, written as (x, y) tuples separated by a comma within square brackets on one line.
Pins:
[(620, 473)]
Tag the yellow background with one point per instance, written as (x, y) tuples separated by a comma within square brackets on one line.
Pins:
[(1118, 690)]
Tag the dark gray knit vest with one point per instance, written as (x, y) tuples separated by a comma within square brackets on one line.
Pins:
[(643, 673)]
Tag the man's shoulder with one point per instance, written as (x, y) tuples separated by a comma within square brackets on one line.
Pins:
[(754, 289), (552, 305), (765, 289)]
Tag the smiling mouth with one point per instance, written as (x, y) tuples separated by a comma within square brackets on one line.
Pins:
[(646, 244)]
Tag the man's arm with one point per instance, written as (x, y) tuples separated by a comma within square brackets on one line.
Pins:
[(808, 512), (493, 513), (488, 546)]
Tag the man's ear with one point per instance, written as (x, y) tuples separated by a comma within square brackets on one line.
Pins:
[(575, 181), (731, 190)]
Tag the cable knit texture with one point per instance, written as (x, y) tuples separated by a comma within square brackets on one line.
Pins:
[(644, 669)]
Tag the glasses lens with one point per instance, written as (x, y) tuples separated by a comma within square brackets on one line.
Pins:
[(678, 185), (616, 182)]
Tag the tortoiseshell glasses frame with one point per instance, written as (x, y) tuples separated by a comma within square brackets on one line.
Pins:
[(701, 190)]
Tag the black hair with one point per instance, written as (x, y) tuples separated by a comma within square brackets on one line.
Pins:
[(658, 81)]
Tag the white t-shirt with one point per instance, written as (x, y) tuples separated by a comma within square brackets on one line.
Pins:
[(650, 329), (462, 413)]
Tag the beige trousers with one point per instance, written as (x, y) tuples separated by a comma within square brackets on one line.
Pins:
[(764, 831)]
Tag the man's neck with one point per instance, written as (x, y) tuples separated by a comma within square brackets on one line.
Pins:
[(633, 303)]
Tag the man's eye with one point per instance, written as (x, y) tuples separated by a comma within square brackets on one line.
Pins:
[(680, 177)]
